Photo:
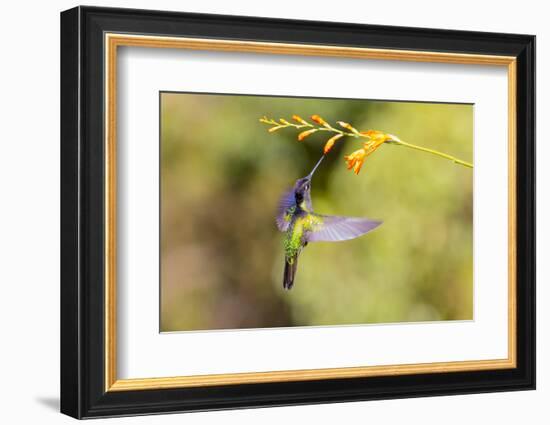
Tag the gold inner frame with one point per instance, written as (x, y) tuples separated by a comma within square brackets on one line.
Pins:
[(113, 41)]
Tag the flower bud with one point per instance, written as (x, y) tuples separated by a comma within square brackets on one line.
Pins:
[(305, 134)]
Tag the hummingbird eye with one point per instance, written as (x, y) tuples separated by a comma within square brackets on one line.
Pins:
[(306, 186)]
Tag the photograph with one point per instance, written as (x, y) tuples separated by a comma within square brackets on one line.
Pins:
[(283, 212)]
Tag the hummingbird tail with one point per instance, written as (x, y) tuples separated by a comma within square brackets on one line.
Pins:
[(291, 264)]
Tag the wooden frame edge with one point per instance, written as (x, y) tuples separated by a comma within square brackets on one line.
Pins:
[(306, 375), (512, 212)]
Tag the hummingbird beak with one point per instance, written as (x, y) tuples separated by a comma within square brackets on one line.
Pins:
[(316, 165)]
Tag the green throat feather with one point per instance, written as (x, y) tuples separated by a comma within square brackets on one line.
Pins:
[(294, 238)]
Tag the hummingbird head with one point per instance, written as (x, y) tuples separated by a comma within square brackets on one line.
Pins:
[(302, 187)]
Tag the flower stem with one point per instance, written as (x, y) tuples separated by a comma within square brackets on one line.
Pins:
[(325, 126), (432, 151)]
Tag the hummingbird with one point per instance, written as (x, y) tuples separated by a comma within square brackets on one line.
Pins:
[(301, 225)]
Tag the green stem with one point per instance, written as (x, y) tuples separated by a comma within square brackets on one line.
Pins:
[(358, 134), (433, 152)]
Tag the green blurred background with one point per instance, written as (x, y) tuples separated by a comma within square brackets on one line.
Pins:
[(222, 175)]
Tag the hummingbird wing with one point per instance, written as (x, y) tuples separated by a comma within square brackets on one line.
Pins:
[(286, 203), (333, 228)]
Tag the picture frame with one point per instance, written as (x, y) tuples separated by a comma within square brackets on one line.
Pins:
[(90, 40)]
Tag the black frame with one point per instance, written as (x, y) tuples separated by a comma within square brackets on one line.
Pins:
[(82, 205)]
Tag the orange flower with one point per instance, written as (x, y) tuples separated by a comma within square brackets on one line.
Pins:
[(320, 120), (306, 133), (299, 119), (355, 160), (377, 136), (330, 143)]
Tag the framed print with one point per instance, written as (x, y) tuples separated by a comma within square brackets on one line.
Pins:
[(261, 212)]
